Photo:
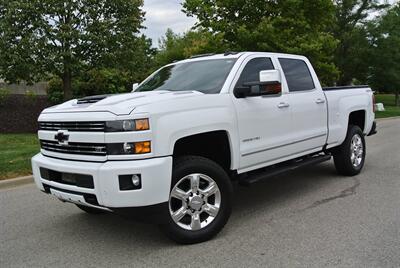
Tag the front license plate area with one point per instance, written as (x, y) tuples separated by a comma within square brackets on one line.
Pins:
[(67, 197)]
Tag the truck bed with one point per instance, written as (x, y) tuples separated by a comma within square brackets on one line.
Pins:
[(342, 101)]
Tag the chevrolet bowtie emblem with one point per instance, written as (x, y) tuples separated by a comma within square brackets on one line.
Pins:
[(61, 137)]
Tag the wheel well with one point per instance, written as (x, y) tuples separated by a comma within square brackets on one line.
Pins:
[(212, 145), (357, 118)]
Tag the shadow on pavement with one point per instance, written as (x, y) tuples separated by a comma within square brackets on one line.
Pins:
[(120, 232)]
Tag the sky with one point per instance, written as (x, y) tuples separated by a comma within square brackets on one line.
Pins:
[(164, 14)]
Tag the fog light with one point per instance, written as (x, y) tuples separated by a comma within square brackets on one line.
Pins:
[(130, 182), (136, 180)]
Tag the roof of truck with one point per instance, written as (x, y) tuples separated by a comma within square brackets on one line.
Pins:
[(232, 55)]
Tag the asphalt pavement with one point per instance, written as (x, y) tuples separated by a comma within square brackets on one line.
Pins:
[(306, 218)]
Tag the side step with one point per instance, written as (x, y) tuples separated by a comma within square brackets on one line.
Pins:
[(253, 177)]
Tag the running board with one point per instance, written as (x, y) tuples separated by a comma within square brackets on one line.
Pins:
[(278, 169)]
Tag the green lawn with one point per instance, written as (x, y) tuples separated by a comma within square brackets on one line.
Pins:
[(16, 153), (388, 102)]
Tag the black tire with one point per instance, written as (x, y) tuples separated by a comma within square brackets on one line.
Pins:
[(91, 210), (342, 154), (184, 166)]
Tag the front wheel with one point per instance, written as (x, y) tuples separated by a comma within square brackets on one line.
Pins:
[(200, 200), (350, 156)]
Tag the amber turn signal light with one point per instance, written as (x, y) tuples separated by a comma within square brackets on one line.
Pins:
[(142, 124), (142, 147)]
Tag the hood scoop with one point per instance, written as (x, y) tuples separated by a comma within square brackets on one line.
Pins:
[(93, 99), (118, 104)]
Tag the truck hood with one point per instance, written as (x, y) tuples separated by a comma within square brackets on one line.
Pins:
[(119, 104)]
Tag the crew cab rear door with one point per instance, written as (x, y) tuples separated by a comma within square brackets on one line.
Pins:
[(307, 102), (264, 122)]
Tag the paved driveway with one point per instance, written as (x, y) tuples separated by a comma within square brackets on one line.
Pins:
[(310, 217)]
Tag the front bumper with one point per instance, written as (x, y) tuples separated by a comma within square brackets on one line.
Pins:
[(155, 175)]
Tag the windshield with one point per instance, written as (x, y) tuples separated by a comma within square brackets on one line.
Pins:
[(207, 76)]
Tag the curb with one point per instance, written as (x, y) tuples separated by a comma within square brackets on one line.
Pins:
[(9, 183)]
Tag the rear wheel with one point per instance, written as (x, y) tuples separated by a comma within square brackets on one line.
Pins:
[(91, 210), (350, 156), (200, 200)]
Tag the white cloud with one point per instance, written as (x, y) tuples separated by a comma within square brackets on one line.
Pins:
[(164, 14)]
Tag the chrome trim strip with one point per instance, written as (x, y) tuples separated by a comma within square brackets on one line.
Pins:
[(73, 151), (73, 145), (74, 148), (287, 144), (73, 126)]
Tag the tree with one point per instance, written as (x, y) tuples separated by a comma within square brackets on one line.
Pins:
[(181, 46), (39, 38), (291, 26), (385, 63), (351, 19)]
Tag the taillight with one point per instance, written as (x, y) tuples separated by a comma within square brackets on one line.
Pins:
[(373, 102)]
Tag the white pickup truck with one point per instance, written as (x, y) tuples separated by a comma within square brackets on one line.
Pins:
[(171, 150)]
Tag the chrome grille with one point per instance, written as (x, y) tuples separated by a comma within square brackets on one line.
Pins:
[(99, 149), (73, 126)]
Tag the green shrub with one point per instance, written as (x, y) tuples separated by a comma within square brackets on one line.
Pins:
[(54, 91), (101, 81), (31, 95), (92, 82), (4, 94)]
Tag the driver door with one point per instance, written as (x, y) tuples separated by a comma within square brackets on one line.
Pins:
[(264, 122)]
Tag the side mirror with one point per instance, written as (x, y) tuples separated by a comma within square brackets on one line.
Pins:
[(241, 92), (135, 86), (269, 84), (270, 77)]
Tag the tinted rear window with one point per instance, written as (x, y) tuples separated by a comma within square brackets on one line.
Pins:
[(297, 74)]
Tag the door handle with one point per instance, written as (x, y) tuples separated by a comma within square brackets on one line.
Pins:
[(319, 101), (283, 105)]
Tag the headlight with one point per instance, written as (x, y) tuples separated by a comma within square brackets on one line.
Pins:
[(128, 125), (142, 147)]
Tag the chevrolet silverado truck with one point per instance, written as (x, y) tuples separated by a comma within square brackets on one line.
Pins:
[(171, 150)]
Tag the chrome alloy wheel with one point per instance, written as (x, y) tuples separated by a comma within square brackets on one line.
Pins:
[(194, 201), (356, 150)]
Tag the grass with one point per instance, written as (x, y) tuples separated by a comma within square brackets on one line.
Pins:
[(390, 109), (16, 153)]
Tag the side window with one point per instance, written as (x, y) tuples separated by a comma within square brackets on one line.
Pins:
[(251, 72), (297, 74)]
